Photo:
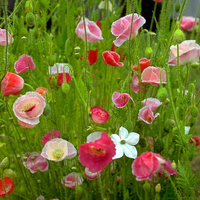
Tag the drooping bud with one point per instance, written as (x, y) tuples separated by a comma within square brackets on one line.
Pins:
[(30, 19), (177, 6), (65, 88), (146, 186), (148, 52), (195, 65), (51, 60), (162, 94), (5, 163), (47, 110), (194, 111)]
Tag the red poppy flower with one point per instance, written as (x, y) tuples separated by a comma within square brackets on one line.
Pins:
[(12, 84), (196, 139), (92, 56), (144, 63), (8, 185), (98, 23), (112, 58)]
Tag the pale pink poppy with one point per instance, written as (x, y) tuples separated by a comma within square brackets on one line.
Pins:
[(188, 23), (93, 32), (58, 149), (146, 115), (122, 28), (90, 175), (28, 108), (72, 180), (12, 84), (93, 136), (3, 37), (153, 75), (152, 103), (135, 83), (50, 135), (25, 125), (121, 99), (35, 162), (189, 52), (147, 164), (24, 63)]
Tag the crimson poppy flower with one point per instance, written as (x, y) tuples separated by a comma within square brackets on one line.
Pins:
[(8, 184), (12, 84), (112, 58), (92, 56)]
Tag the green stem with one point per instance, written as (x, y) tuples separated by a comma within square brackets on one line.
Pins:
[(29, 86), (153, 17), (100, 188)]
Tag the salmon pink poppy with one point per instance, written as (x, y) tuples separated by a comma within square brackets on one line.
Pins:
[(50, 135), (93, 32), (72, 180), (153, 75), (3, 37), (28, 108), (99, 115), (112, 58), (144, 63), (24, 63), (188, 23), (121, 99), (189, 52), (25, 125), (98, 154), (12, 84), (43, 91), (147, 164), (8, 184), (122, 28), (146, 115)]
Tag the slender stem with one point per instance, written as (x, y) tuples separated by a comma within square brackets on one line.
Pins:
[(100, 188), (153, 17)]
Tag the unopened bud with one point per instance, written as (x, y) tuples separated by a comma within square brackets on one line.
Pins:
[(65, 88), (195, 65), (5, 163), (146, 187), (173, 165), (158, 188), (194, 111), (28, 6), (148, 52), (30, 19), (47, 110), (179, 36), (177, 6), (51, 60), (162, 94)]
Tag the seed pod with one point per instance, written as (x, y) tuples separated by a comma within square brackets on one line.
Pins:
[(158, 188), (195, 65)]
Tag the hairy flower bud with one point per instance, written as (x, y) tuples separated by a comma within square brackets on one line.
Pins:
[(146, 186), (47, 110), (51, 60), (162, 94), (177, 6), (195, 65), (158, 188), (5, 163), (65, 88), (30, 19), (194, 111), (148, 52), (179, 36)]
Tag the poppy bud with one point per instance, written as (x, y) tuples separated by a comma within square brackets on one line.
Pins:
[(177, 6), (9, 173), (47, 110), (148, 52), (23, 32), (36, 33), (5, 163), (77, 51), (195, 65), (51, 60), (30, 19), (197, 29), (162, 94), (28, 6), (146, 186), (194, 111), (65, 88), (192, 121), (179, 36), (24, 39), (158, 146), (173, 165), (158, 188), (143, 142)]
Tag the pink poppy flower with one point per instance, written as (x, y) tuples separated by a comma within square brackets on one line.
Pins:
[(43, 91), (99, 115), (60, 72), (72, 180), (189, 52), (135, 83), (146, 115), (28, 108), (93, 32), (24, 63), (147, 164), (112, 58), (153, 75), (122, 28), (47, 137), (12, 84), (188, 23), (25, 125), (152, 103), (3, 37), (90, 175), (35, 162), (196, 139), (96, 155), (58, 149), (167, 166), (121, 99), (8, 184), (144, 63)]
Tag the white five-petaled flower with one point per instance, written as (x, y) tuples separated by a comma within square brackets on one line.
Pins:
[(124, 143)]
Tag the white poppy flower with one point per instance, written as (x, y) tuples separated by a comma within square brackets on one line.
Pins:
[(124, 143)]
